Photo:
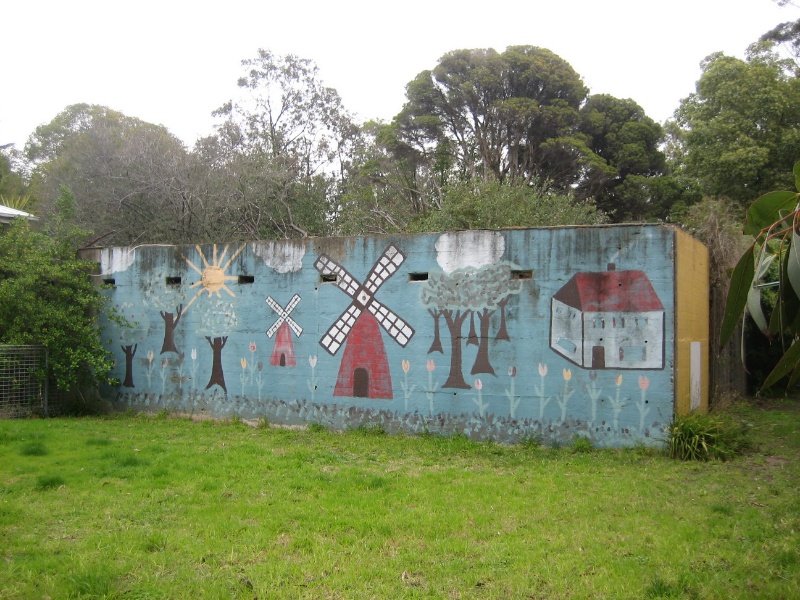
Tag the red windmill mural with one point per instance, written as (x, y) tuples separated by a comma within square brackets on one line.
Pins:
[(364, 372), (283, 351)]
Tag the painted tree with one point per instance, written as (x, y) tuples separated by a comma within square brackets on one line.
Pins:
[(469, 293), (170, 323)]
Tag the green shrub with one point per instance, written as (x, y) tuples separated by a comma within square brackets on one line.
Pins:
[(704, 436)]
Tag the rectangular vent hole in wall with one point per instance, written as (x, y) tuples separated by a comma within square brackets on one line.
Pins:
[(173, 280), (328, 278), (418, 277), (522, 274), (110, 281), (246, 279)]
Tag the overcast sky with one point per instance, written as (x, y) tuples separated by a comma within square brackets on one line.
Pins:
[(172, 62)]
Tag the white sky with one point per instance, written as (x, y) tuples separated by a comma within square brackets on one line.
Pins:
[(172, 62)]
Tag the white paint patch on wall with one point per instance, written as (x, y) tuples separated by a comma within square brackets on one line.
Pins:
[(116, 260), (695, 373), (284, 256), (476, 249)]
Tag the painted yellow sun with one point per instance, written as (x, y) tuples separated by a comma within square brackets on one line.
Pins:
[(212, 276)]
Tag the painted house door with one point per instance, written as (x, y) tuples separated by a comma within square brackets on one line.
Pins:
[(598, 357)]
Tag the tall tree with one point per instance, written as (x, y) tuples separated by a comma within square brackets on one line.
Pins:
[(129, 177), (282, 146), (510, 116), (740, 130), (625, 156)]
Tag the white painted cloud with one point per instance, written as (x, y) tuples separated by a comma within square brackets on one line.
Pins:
[(284, 256), (116, 260), (460, 249)]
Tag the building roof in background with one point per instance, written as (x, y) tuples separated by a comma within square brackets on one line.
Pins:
[(6, 214)]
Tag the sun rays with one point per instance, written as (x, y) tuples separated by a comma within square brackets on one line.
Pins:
[(212, 276)]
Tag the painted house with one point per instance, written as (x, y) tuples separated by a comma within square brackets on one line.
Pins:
[(496, 334), (609, 320)]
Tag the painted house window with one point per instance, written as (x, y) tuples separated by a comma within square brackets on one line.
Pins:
[(567, 345)]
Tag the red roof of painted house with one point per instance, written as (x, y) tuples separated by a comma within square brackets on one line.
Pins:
[(610, 291)]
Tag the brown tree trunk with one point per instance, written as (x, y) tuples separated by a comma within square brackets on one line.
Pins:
[(217, 375), (502, 333), (482, 364), (130, 352), (455, 378), (170, 323), (436, 346)]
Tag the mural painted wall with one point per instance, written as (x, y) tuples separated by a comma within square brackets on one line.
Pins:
[(511, 334)]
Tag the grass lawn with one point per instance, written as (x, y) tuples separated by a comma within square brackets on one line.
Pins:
[(154, 507)]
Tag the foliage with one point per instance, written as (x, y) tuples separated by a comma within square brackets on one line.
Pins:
[(47, 298), (13, 190), (129, 177), (624, 158), (739, 133), (281, 146), (704, 436), (492, 204), (773, 221)]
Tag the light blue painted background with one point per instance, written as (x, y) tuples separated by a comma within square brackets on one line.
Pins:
[(554, 256)]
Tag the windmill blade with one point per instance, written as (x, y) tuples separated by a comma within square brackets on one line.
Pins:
[(336, 335), (289, 320), (384, 268), (397, 328), (281, 316), (344, 281)]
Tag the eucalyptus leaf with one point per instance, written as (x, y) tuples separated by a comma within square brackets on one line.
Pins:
[(768, 210), (796, 171), (741, 283), (786, 365)]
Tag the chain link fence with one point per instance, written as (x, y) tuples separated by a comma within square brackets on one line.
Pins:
[(24, 387)]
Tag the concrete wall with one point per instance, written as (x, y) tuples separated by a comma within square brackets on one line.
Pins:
[(504, 335)]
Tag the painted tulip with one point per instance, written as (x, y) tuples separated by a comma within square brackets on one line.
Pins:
[(150, 356), (478, 384), (430, 365), (312, 360), (164, 363), (252, 346), (243, 362), (567, 373), (644, 383), (194, 353), (406, 366), (619, 380), (512, 371), (542, 369)]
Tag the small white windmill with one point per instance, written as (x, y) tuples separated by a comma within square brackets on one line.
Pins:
[(283, 352)]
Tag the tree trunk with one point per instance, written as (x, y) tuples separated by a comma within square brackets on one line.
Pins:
[(472, 338), (130, 352), (502, 333), (455, 379), (217, 375), (170, 323), (436, 346), (482, 364)]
